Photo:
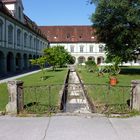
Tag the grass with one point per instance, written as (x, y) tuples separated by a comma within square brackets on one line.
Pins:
[(35, 93), (123, 79), (52, 77), (108, 98), (3, 96)]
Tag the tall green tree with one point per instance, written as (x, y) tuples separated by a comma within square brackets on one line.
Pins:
[(57, 56), (117, 24)]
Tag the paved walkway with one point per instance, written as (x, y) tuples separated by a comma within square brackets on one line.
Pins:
[(70, 128)]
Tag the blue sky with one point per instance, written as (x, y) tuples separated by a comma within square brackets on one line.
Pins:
[(59, 12)]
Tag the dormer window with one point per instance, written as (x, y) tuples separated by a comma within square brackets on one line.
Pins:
[(68, 36)]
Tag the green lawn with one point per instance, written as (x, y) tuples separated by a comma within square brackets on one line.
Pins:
[(34, 90), (103, 95), (123, 79)]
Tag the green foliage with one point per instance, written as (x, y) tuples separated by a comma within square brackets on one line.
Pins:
[(117, 24), (41, 62), (3, 96), (57, 56), (114, 69), (90, 65)]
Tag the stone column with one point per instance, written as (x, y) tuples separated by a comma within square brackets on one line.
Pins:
[(135, 101), (15, 92)]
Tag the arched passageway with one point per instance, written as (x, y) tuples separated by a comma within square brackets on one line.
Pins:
[(2, 62), (91, 58), (81, 59), (25, 60), (18, 62), (10, 62), (30, 57), (100, 60)]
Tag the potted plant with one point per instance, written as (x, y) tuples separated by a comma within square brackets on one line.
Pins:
[(114, 70)]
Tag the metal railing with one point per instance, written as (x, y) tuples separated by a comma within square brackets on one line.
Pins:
[(47, 99), (109, 99), (42, 99)]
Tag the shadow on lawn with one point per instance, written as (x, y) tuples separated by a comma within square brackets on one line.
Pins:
[(46, 77), (128, 70), (57, 70)]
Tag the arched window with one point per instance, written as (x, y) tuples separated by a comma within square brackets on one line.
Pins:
[(10, 34), (30, 42), (18, 37), (25, 39), (34, 43), (1, 30), (37, 44)]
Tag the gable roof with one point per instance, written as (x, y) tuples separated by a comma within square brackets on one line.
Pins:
[(71, 34)]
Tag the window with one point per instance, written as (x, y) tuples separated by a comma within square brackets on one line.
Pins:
[(10, 34), (101, 48), (25, 39), (30, 42), (34, 43), (91, 48), (81, 48), (37, 44), (18, 37), (71, 48), (1, 30), (68, 36)]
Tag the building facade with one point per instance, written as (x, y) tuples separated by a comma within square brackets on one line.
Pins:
[(20, 38), (80, 41)]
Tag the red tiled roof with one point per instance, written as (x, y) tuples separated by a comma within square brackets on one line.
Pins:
[(71, 34)]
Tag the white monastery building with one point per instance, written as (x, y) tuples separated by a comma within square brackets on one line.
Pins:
[(80, 41), (20, 38)]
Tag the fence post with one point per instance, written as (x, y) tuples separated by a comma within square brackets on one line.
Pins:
[(135, 101), (15, 91)]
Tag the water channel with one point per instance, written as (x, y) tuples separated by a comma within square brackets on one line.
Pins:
[(76, 99)]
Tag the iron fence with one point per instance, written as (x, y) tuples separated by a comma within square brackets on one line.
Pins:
[(42, 99), (102, 98), (109, 99)]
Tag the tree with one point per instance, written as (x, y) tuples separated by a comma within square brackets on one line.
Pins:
[(41, 62), (117, 24), (57, 56)]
